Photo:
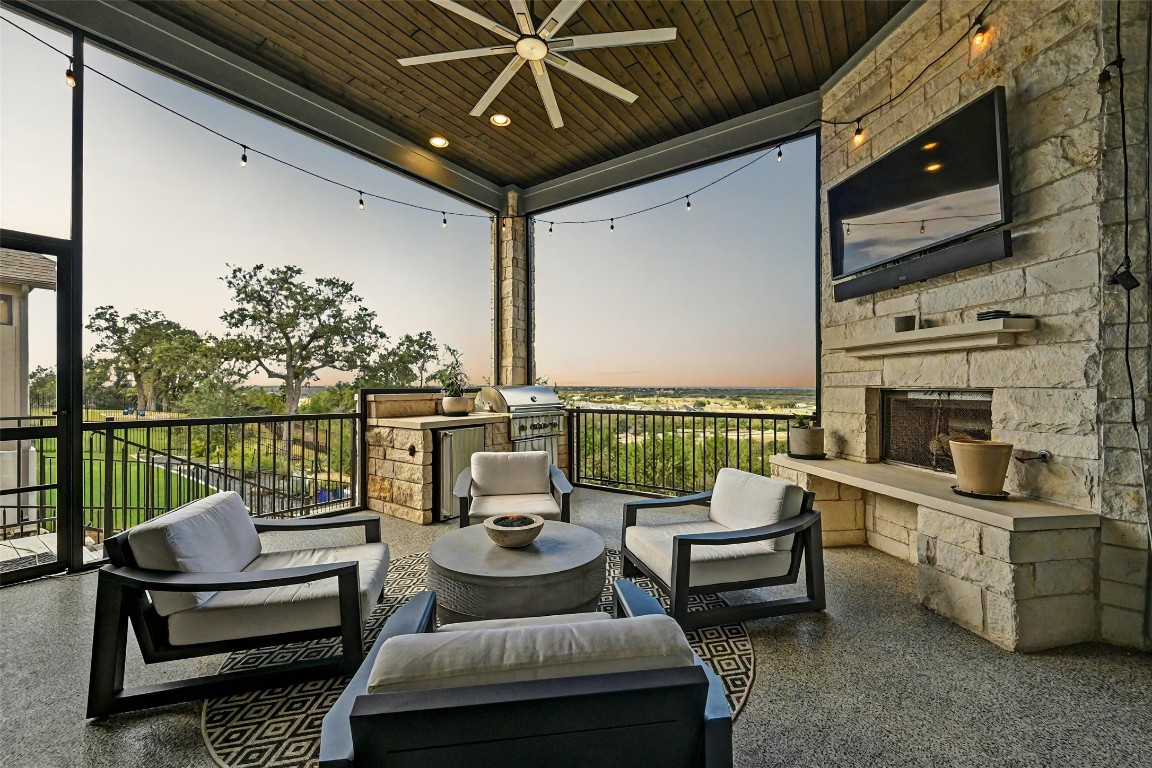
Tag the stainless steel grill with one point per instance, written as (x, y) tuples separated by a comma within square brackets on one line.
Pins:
[(537, 415)]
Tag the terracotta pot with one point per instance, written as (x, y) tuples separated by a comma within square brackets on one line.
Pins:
[(806, 442), (456, 406), (981, 465), (511, 538)]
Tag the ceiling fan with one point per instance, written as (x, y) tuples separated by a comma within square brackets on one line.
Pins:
[(538, 45)]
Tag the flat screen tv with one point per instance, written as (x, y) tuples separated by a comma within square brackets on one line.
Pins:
[(946, 185)]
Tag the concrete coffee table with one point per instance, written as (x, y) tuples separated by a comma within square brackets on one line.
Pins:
[(562, 571)]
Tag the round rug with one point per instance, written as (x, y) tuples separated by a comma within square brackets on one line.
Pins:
[(280, 727)]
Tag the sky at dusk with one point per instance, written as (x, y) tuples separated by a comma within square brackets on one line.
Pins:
[(722, 295)]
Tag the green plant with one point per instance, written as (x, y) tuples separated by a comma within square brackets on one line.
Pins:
[(452, 378), (804, 421)]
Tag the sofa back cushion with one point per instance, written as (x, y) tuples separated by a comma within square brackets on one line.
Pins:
[(489, 656), (741, 500), (507, 474), (211, 535)]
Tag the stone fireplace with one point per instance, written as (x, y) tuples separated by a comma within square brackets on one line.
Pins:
[(916, 424)]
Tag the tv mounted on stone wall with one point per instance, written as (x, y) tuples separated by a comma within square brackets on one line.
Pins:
[(937, 203)]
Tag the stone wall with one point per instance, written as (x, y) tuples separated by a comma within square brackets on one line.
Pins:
[(512, 276), (1062, 389)]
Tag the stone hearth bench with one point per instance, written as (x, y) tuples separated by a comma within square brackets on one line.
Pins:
[(1021, 573)]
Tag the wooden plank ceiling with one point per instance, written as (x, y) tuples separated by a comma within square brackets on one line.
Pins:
[(730, 58)]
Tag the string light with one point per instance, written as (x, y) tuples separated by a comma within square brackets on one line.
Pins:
[(69, 75), (981, 32), (779, 154), (444, 220), (243, 156), (687, 203), (847, 229), (361, 200), (504, 223), (858, 137), (549, 229), (612, 225), (921, 227)]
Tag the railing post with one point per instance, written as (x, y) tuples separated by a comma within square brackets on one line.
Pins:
[(108, 483)]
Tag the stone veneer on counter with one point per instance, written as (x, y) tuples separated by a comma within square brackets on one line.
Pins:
[(1063, 388)]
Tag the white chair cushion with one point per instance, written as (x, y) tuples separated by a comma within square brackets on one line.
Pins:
[(503, 474), (294, 607), (211, 535), (527, 621), (652, 545), (741, 500), (522, 504), (484, 657)]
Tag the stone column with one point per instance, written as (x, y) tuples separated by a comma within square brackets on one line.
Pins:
[(511, 274)]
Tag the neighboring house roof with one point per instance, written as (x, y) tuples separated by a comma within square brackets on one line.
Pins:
[(30, 269)]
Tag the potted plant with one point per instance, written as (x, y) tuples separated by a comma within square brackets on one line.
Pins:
[(981, 465), (453, 380), (805, 439)]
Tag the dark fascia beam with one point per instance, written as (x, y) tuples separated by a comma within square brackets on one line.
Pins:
[(158, 44), (741, 134)]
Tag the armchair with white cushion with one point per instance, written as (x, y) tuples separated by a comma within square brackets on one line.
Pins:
[(512, 483), (572, 691), (758, 531), (196, 581)]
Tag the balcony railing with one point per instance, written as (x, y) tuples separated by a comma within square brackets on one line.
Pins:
[(670, 452), (282, 466)]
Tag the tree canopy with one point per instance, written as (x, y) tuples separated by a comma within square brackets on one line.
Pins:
[(291, 329)]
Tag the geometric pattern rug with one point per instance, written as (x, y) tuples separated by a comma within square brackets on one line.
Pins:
[(280, 727)]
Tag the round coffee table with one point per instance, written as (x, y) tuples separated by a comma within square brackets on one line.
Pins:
[(562, 571)]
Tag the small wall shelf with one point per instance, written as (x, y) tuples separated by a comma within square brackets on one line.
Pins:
[(985, 334)]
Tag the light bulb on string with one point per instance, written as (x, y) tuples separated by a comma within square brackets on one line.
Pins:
[(687, 203), (981, 32), (611, 225), (69, 74), (243, 156), (361, 200), (858, 136), (921, 227), (779, 154), (549, 229), (847, 228), (444, 220), (504, 223)]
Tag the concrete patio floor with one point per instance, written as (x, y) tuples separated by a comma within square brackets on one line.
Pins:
[(875, 680)]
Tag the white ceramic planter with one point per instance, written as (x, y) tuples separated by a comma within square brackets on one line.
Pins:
[(981, 465), (806, 443), (456, 406)]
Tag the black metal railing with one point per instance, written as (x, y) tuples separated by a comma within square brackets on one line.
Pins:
[(282, 466), (669, 452)]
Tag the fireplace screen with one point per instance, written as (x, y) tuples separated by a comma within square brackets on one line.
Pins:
[(917, 425)]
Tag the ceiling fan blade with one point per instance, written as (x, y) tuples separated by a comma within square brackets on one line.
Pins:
[(430, 58), (523, 17), (476, 18), (497, 86), (545, 86), (560, 14), (590, 77), (614, 39)]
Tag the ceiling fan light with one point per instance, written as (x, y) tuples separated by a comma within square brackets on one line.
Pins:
[(500, 121), (438, 141)]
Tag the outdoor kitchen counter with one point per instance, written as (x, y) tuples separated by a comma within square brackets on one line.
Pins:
[(437, 421)]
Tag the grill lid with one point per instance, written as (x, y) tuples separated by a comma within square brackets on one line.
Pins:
[(517, 399)]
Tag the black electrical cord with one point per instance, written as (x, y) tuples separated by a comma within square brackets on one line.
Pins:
[(1123, 277)]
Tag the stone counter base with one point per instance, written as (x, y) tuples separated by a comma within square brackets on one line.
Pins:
[(1022, 590)]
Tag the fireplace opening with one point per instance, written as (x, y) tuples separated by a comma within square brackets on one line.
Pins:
[(916, 425)]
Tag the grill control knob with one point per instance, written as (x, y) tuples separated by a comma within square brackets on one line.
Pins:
[(554, 425), (523, 428)]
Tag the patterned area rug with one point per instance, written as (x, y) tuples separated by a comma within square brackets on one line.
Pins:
[(280, 727)]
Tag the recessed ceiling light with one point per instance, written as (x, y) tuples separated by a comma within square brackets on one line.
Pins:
[(931, 145), (934, 167), (438, 141), (500, 121)]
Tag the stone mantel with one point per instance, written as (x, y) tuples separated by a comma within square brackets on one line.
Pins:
[(934, 490), (982, 334)]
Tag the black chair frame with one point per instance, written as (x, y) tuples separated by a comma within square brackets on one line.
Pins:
[(806, 547), (372, 730), (561, 492), (122, 598)]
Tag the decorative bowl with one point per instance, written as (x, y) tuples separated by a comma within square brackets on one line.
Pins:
[(510, 531)]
